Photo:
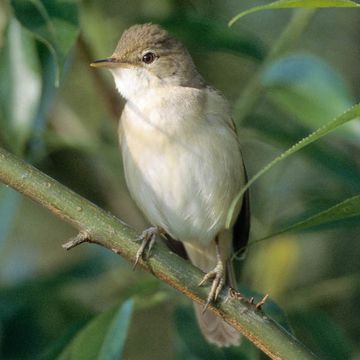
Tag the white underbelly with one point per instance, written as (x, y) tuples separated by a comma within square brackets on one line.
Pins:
[(186, 190)]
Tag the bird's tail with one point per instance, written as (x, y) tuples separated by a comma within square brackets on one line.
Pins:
[(214, 329)]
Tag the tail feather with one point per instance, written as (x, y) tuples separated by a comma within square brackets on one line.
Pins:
[(215, 329)]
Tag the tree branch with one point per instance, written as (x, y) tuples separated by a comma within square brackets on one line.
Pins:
[(97, 226)]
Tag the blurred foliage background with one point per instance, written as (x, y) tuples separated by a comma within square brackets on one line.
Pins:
[(55, 304)]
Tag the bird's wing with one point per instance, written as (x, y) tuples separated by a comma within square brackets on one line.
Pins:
[(241, 228)]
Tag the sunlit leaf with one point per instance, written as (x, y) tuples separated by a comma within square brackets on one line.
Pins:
[(54, 22), (349, 115), (20, 86), (307, 87), (287, 4), (103, 338)]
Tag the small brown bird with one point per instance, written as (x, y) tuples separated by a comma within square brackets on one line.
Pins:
[(182, 159)]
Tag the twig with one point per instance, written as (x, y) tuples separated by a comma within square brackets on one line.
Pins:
[(81, 237), (261, 302)]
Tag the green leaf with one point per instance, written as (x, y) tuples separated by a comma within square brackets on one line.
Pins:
[(287, 4), (103, 338), (54, 22), (114, 342), (346, 209), (349, 115), (307, 87), (20, 86)]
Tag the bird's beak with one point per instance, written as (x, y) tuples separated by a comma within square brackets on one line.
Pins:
[(105, 63)]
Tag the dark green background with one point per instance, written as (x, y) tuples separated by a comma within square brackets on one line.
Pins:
[(47, 295)]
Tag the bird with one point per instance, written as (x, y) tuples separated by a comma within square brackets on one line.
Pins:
[(182, 160)]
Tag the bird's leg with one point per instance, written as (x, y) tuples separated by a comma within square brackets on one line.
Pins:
[(147, 239), (217, 275)]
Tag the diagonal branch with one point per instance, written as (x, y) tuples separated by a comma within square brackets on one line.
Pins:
[(97, 226)]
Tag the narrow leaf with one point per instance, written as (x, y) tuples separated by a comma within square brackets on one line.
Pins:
[(349, 115), (346, 209), (103, 337), (287, 4), (114, 342), (54, 22)]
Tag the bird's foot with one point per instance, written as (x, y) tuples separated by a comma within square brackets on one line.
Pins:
[(217, 276), (147, 239)]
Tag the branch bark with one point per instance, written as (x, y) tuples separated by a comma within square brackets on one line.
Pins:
[(97, 226)]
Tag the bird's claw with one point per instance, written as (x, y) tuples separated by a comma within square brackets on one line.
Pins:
[(218, 280), (147, 239)]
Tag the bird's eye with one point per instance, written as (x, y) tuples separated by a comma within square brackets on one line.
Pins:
[(148, 58)]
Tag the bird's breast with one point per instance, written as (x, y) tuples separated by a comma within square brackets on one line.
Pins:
[(179, 170)]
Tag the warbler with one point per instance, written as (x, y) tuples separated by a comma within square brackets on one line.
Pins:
[(182, 159)]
